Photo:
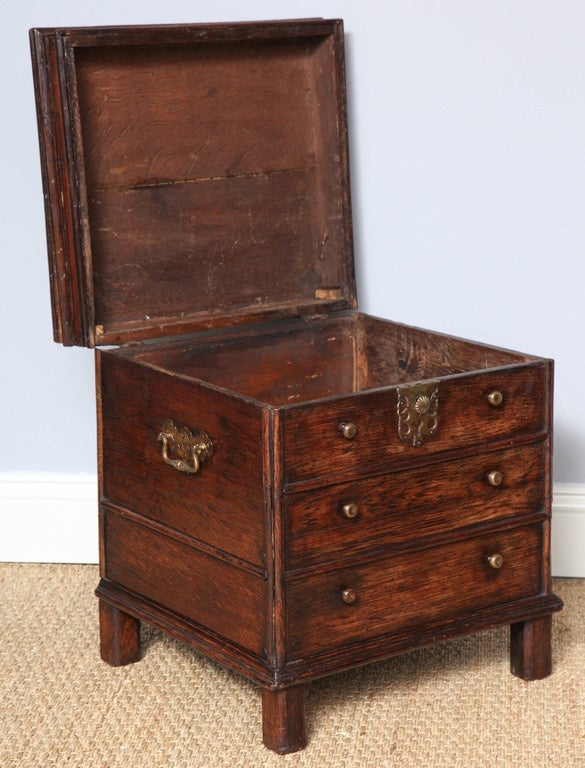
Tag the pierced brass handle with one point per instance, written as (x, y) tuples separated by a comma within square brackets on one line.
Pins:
[(495, 478), (495, 398), (348, 429), (495, 561), (349, 596), (191, 450), (350, 510)]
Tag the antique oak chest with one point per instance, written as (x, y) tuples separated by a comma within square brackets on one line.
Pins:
[(288, 485)]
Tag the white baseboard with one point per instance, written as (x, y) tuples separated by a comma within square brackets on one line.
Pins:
[(50, 518), (568, 530)]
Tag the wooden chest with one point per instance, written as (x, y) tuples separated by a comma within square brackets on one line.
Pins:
[(288, 485)]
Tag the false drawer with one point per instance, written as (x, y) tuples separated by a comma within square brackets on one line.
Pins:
[(354, 517), (349, 434), (403, 591)]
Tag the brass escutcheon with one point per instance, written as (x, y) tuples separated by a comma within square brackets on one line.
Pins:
[(190, 449), (418, 412)]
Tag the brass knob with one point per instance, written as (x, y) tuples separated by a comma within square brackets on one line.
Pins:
[(349, 596), (495, 478), (350, 510), (495, 398), (496, 561), (348, 429)]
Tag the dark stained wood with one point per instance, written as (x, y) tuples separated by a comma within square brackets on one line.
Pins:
[(283, 719), (187, 631), (392, 353), (136, 402), (194, 171), (294, 363), (184, 34), (411, 589), (276, 602), (530, 648), (119, 636), (253, 97), (71, 294), (210, 229), (413, 504), (198, 212), (334, 660), (377, 648), (329, 356), (188, 581), (314, 445)]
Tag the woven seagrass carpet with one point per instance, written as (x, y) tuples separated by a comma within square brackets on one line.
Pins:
[(453, 705)]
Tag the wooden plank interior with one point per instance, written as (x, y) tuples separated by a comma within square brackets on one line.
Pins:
[(399, 353), (213, 174), (297, 361)]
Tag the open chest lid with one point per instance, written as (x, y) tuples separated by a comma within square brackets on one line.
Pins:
[(195, 176)]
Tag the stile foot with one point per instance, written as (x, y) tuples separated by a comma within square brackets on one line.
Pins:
[(283, 719), (119, 636), (530, 648)]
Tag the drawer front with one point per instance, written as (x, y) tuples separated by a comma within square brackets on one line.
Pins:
[(215, 594), (412, 589), (315, 445), (354, 517), (222, 504)]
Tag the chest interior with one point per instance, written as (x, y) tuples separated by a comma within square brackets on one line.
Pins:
[(297, 361)]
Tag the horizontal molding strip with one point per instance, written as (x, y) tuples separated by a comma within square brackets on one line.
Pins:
[(52, 518)]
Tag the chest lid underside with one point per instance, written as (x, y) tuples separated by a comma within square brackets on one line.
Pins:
[(195, 176)]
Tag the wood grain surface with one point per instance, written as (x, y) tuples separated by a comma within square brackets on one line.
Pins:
[(202, 588), (410, 505), (205, 182), (136, 402), (409, 590), (314, 445)]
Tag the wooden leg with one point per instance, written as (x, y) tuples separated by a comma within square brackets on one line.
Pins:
[(530, 648), (283, 719), (119, 636)]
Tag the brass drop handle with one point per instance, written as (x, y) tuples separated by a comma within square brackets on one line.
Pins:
[(349, 596), (495, 478), (348, 429), (350, 510), (495, 398), (189, 449), (496, 561)]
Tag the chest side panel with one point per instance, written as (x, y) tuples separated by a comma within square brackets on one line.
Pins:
[(222, 504), (218, 596)]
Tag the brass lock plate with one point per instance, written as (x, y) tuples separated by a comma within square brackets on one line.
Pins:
[(418, 412)]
